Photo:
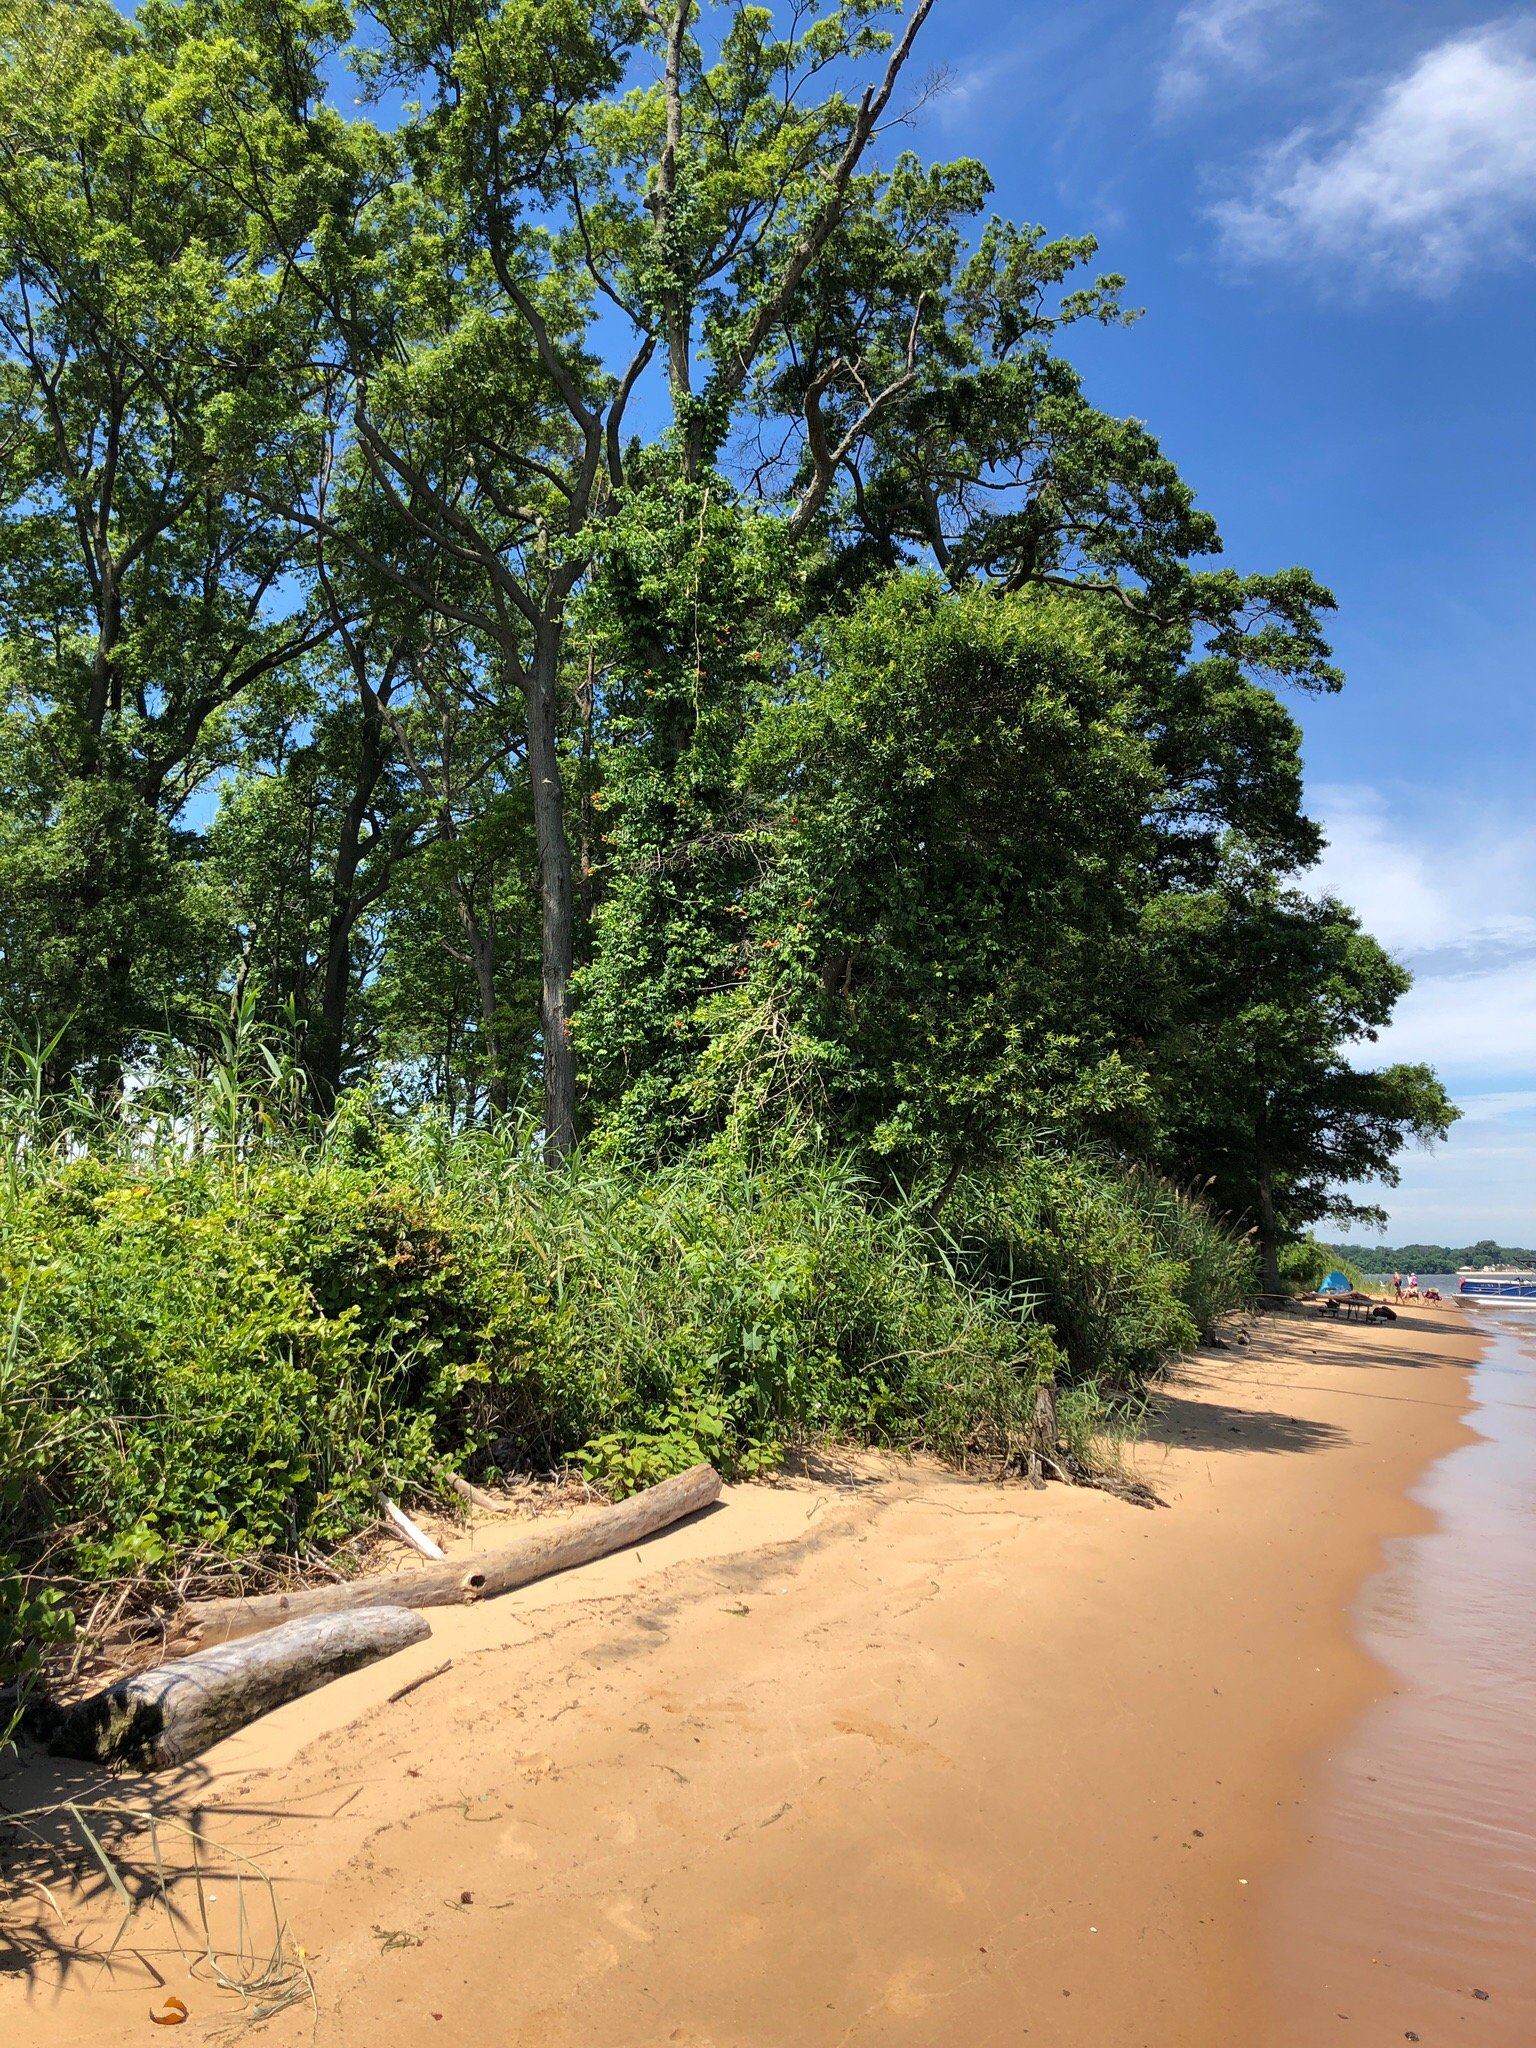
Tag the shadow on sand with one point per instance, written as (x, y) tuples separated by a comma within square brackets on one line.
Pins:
[(1214, 1426), (121, 1881)]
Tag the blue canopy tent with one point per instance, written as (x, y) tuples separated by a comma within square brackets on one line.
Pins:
[(1337, 1283)]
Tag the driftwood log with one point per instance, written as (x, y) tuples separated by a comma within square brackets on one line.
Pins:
[(546, 1547), (163, 1717), (477, 1497)]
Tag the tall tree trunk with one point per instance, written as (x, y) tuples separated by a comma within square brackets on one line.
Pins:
[(555, 892), (336, 978), (586, 706), (1269, 1234), (106, 691), (481, 940), (676, 301)]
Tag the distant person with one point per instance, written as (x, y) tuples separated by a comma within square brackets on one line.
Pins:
[(1413, 1286), (1397, 1285)]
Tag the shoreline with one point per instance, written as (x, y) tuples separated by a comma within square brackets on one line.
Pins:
[(886, 1754)]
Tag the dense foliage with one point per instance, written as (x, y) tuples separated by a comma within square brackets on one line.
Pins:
[(1433, 1258), (222, 1349), (1305, 1265), (578, 597)]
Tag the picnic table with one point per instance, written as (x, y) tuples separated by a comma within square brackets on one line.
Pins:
[(1354, 1305)]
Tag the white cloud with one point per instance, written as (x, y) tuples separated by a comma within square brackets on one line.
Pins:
[(1477, 1026), (1439, 175), (1433, 877), (1480, 1183), (1499, 1108), (1214, 40), (1450, 886)]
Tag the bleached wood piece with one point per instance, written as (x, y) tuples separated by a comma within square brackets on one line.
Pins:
[(418, 1539), (546, 1547)]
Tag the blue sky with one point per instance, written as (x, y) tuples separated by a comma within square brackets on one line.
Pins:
[(1328, 211)]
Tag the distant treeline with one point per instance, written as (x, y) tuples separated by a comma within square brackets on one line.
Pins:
[(1432, 1258)]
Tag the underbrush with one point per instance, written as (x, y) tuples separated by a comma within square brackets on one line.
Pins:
[(228, 1348), (1305, 1265), (1122, 1268)]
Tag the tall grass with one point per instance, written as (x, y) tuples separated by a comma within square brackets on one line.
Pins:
[(229, 1335), (1123, 1268)]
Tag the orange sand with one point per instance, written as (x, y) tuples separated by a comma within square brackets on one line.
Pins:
[(880, 1756)]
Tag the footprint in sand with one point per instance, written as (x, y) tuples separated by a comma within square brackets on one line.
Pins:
[(619, 1829), (885, 1736), (905, 1996), (624, 1914), (744, 1929)]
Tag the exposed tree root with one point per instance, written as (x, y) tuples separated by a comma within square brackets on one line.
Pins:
[(1046, 1453)]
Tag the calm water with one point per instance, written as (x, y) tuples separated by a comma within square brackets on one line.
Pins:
[(1419, 1888)]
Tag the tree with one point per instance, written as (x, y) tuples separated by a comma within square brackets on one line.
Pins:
[(140, 592), (1266, 993), (317, 814), (537, 203), (687, 616), (961, 804), (958, 806), (808, 816), (911, 406), (629, 555)]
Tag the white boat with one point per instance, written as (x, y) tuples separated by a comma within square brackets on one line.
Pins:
[(1493, 1284)]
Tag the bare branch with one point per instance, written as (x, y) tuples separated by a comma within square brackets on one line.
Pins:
[(825, 460), (731, 379)]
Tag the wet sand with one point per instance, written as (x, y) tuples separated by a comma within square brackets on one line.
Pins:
[(884, 1756)]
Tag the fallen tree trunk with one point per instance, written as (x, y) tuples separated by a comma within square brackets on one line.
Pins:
[(163, 1717), (545, 1548)]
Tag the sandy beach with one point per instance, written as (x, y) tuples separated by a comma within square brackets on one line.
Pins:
[(883, 1754)]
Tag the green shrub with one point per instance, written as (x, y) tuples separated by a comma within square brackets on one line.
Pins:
[(1121, 1272), (693, 1431), (1305, 1265), (781, 1300), (1219, 1264), (33, 1618), (244, 1361), (244, 1366), (230, 1352)]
